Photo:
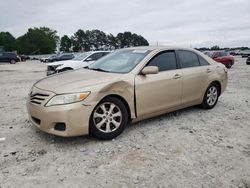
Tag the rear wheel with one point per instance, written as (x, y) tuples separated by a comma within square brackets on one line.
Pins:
[(12, 61), (108, 119), (229, 65), (211, 96)]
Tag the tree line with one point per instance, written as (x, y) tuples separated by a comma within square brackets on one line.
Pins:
[(216, 47), (44, 40)]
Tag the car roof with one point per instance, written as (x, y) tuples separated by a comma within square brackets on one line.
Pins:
[(160, 48)]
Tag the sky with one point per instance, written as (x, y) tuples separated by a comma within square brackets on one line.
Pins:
[(188, 23)]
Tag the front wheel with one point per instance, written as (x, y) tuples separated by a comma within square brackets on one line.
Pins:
[(108, 119), (211, 96)]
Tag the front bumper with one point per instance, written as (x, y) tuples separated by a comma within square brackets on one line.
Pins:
[(74, 116)]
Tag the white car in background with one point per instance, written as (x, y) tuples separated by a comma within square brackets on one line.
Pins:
[(82, 60)]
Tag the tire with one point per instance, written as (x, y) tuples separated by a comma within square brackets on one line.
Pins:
[(12, 61), (103, 124), (211, 96), (229, 65)]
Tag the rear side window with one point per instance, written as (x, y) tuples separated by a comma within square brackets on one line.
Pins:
[(188, 59), (203, 62), (164, 61)]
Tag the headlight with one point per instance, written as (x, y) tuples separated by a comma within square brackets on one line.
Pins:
[(67, 98)]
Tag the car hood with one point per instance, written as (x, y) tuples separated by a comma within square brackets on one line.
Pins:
[(75, 81), (62, 62)]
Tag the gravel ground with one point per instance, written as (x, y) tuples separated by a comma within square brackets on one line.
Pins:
[(187, 148)]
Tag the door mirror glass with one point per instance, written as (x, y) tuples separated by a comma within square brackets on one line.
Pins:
[(150, 70)]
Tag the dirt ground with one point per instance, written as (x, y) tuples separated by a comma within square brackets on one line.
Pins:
[(188, 148)]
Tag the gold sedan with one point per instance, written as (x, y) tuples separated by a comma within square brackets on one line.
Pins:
[(125, 86)]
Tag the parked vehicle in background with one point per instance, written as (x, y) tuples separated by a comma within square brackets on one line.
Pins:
[(61, 57), (46, 59), (221, 57), (10, 57), (248, 60), (125, 86), (82, 60), (245, 53), (23, 57)]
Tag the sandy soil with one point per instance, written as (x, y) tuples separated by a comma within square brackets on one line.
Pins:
[(188, 148)]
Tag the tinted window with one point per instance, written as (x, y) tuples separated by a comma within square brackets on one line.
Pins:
[(105, 53), (203, 62), (66, 56), (164, 61), (96, 56), (220, 54), (188, 59)]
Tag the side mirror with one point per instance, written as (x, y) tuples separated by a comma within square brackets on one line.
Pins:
[(89, 59), (150, 70)]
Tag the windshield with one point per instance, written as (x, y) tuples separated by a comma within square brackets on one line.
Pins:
[(122, 61), (82, 56)]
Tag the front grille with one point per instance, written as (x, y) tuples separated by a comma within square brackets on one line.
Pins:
[(38, 98)]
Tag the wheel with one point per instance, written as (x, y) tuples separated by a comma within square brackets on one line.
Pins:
[(12, 61), (108, 119), (211, 96), (229, 65)]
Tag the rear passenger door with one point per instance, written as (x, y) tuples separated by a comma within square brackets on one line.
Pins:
[(195, 72)]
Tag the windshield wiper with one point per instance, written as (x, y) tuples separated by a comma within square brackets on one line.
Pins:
[(98, 69)]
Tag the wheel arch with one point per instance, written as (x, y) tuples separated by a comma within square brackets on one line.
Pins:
[(122, 100), (218, 84)]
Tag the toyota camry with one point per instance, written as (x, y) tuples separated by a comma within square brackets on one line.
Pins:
[(125, 86)]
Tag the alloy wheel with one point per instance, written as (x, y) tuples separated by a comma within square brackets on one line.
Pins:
[(212, 95), (107, 117)]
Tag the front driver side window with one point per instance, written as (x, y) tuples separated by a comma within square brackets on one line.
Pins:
[(164, 61)]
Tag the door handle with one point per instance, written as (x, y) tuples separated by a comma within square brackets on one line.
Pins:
[(177, 76), (209, 70)]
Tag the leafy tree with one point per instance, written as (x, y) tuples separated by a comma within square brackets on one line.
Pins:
[(78, 40), (65, 44), (215, 47), (127, 39), (7, 41), (111, 42), (41, 40)]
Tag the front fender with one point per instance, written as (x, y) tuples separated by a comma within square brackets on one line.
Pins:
[(122, 88)]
